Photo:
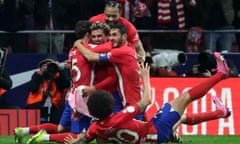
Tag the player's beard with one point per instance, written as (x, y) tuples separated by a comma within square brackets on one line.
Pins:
[(118, 43), (111, 22)]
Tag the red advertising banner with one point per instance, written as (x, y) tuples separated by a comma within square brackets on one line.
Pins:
[(12, 118), (166, 89)]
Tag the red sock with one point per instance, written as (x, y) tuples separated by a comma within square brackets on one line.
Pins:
[(202, 117), (60, 137), (49, 127), (202, 88)]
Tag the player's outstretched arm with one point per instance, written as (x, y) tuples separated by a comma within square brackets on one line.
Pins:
[(146, 99), (79, 140), (88, 54)]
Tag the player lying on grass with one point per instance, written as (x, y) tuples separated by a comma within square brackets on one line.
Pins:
[(122, 127), (189, 119)]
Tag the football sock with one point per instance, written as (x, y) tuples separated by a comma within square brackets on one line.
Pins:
[(202, 117), (49, 127), (25, 130), (202, 88)]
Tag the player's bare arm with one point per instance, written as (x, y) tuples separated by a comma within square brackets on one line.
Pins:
[(88, 54), (79, 140), (146, 99), (140, 52)]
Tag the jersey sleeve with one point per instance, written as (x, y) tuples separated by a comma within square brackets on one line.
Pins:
[(103, 48), (97, 18), (119, 55), (91, 132)]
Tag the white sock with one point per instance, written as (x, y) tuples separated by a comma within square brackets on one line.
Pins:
[(46, 137), (26, 130)]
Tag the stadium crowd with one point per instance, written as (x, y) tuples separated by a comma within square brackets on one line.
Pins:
[(159, 15)]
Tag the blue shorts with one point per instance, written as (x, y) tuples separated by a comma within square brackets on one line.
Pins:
[(81, 124), (118, 102), (75, 126), (65, 120), (164, 122)]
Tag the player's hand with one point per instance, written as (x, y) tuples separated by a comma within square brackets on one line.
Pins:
[(67, 64), (88, 90), (144, 70), (140, 58), (70, 140)]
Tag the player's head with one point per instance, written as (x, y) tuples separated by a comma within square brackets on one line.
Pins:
[(118, 35), (99, 33), (112, 12), (82, 27), (100, 104)]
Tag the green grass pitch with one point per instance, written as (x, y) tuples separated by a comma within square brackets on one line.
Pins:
[(187, 140)]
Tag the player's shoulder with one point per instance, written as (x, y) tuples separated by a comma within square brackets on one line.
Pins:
[(125, 22), (73, 51), (97, 18)]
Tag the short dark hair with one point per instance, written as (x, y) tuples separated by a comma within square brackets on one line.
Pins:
[(121, 27), (113, 4), (100, 104), (81, 28)]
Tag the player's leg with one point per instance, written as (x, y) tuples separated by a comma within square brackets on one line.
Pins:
[(171, 112), (43, 136), (195, 118), (66, 118), (64, 125), (180, 103), (77, 126), (221, 112), (21, 132)]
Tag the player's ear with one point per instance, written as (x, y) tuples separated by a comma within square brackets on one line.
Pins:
[(125, 36)]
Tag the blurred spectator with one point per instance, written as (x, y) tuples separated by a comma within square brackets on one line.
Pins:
[(216, 15), (168, 15), (194, 39), (190, 14), (236, 5), (5, 85), (49, 15), (128, 7), (5, 80), (143, 20), (16, 15), (80, 10), (47, 90)]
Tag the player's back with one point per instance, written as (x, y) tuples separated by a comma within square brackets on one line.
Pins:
[(123, 128), (81, 70)]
